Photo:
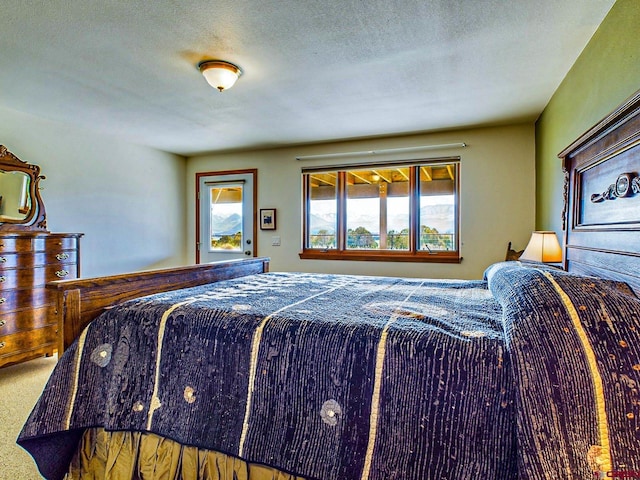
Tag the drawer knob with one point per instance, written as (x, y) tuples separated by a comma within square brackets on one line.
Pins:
[(3, 279), (62, 273), (62, 256), (2, 344), (2, 300), (2, 323), (3, 259)]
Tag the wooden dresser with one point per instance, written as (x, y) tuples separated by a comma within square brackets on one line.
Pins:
[(30, 256), (28, 260)]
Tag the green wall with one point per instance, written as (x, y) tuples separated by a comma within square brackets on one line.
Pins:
[(606, 73)]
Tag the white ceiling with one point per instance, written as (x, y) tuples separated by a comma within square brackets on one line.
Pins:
[(313, 70)]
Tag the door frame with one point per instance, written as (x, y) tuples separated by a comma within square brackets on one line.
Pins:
[(249, 171)]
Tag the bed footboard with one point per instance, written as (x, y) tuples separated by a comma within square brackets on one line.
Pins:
[(80, 301)]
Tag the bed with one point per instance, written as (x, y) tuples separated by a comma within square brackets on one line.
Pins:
[(229, 371)]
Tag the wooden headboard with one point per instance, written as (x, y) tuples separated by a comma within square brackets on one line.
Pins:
[(601, 217)]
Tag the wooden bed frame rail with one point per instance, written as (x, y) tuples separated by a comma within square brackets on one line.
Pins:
[(80, 301)]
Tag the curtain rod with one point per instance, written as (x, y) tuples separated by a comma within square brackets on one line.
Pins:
[(366, 153)]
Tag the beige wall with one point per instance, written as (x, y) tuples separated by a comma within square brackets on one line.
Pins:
[(128, 200), (606, 73), (497, 192)]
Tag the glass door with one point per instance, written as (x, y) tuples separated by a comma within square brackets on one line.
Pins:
[(226, 226)]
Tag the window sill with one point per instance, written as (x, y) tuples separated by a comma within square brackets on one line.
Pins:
[(377, 256)]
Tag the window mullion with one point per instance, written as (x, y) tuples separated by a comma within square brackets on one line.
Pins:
[(383, 190), (306, 188), (414, 209), (342, 209)]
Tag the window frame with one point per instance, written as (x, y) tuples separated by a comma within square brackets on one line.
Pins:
[(413, 254)]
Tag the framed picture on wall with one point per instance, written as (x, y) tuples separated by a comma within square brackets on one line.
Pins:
[(267, 219)]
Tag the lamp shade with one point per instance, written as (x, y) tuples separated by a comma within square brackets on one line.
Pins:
[(543, 247), (219, 74)]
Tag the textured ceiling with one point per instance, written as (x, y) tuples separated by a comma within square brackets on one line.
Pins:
[(313, 70)]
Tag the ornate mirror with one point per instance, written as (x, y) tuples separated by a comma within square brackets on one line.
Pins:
[(21, 206)]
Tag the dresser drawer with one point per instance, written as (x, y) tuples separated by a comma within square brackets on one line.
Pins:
[(37, 276), (54, 244), (23, 320), (37, 243), (15, 244), (13, 300), (17, 260), (22, 342)]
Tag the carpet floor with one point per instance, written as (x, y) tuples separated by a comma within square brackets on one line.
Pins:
[(20, 387)]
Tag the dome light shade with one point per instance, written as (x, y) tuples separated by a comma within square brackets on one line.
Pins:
[(219, 74)]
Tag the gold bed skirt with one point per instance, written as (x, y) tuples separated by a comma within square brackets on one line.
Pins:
[(145, 456)]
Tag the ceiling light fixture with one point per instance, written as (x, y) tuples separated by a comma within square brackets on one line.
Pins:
[(219, 74)]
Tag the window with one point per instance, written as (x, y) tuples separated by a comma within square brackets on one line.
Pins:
[(225, 224), (388, 212)]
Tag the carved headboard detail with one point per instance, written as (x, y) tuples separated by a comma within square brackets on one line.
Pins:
[(626, 184), (601, 213)]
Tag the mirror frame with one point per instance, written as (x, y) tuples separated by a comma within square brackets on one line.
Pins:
[(36, 218)]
